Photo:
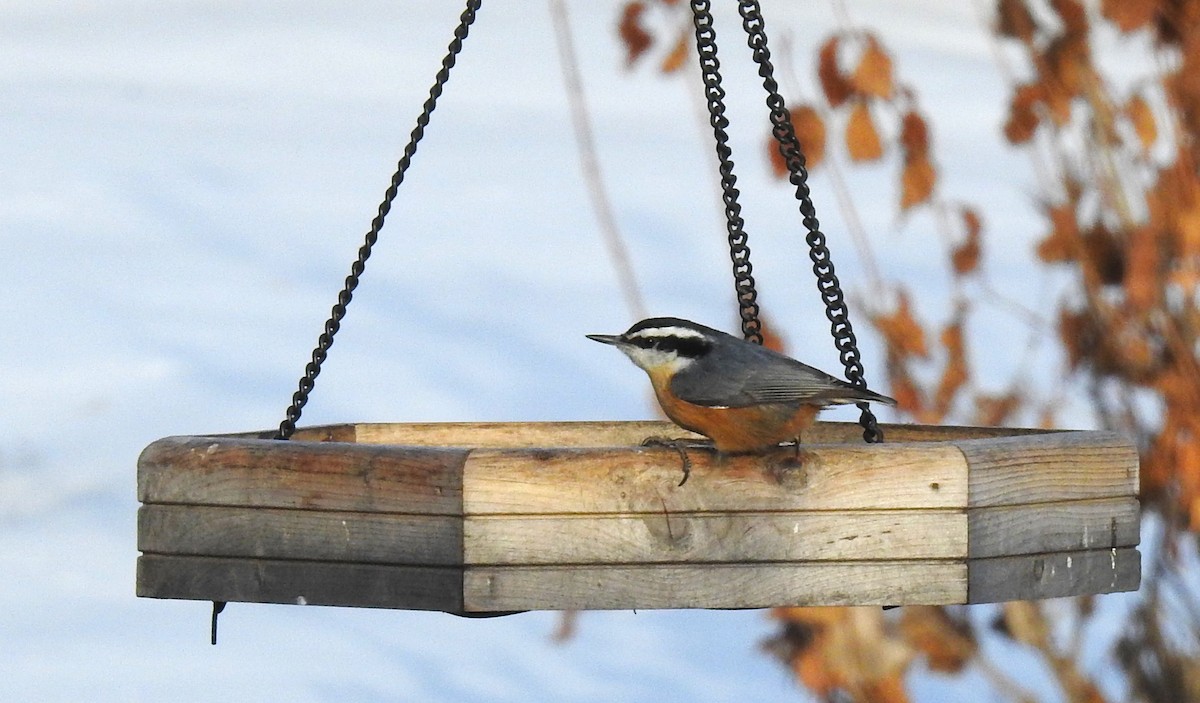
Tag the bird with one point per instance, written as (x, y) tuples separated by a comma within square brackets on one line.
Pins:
[(742, 396)]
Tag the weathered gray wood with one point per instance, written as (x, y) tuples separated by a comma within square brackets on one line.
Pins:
[(318, 476), (300, 582), (377, 538), (575, 515), (639, 480), (1053, 527), (1053, 575), (716, 537), (714, 585), (1052, 467)]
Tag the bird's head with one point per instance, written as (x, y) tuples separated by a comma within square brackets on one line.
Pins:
[(662, 344)]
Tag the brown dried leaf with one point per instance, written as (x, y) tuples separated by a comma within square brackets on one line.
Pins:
[(1142, 118), (874, 73), (1026, 624), (810, 132), (1013, 19), (1142, 275), (1072, 14), (914, 134), (948, 645), (902, 334), (955, 375), (1129, 15), (837, 89), (916, 181), (995, 410), (1022, 117), (1062, 244), (965, 256), (674, 60), (633, 35), (862, 139)]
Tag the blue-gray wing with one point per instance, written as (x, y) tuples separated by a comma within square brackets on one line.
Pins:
[(763, 376)]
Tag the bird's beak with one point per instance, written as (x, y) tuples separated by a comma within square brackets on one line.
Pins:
[(605, 338)]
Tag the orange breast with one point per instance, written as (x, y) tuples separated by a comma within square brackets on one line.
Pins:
[(747, 429)]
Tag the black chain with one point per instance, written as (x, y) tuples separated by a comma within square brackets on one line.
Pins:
[(739, 251), (325, 341), (827, 281)]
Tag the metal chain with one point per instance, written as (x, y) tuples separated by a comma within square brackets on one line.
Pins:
[(739, 251), (333, 324), (827, 280)]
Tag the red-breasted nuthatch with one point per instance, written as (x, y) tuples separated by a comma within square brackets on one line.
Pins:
[(742, 396)]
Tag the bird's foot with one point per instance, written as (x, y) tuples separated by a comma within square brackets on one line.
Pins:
[(681, 446)]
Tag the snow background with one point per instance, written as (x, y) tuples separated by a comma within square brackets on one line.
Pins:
[(184, 186)]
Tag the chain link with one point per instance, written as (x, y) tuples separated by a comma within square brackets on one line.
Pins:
[(333, 324), (739, 250), (827, 281)]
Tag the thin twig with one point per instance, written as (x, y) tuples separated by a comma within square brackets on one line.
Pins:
[(586, 143)]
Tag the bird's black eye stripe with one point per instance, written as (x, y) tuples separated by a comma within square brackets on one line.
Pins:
[(643, 342), (691, 347)]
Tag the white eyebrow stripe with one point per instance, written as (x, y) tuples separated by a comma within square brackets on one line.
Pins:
[(682, 332)]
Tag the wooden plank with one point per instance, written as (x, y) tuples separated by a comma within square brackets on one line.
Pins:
[(706, 538), (644, 480), (1053, 527), (318, 476), (713, 586), (1053, 575), (300, 582), (377, 538), (1052, 467), (515, 435)]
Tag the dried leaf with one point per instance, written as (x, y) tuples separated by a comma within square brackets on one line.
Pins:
[(633, 35), (674, 60), (995, 410), (1013, 19), (1062, 244), (810, 132), (1066, 69), (837, 89), (965, 256), (955, 375), (1142, 118), (946, 643), (862, 139), (908, 397), (1022, 117), (1072, 14), (1129, 15), (1026, 624), (1142, 276), (1103, 256), (914, 134), (902, 334), (916, 181), (874, 73)]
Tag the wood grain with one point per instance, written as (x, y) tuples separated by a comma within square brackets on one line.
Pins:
[(1052, 467), (1053, 575), (321, 476), (713, 586), (377, 538), (639, 480), (1053, 527), (300, 582), (516, 435), (707, 538)]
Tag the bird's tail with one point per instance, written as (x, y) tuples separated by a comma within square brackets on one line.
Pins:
[(850, 394)]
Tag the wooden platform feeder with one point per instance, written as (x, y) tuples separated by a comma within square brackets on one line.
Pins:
[(498, 517)]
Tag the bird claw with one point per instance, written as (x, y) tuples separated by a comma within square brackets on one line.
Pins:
[(679, 445)]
